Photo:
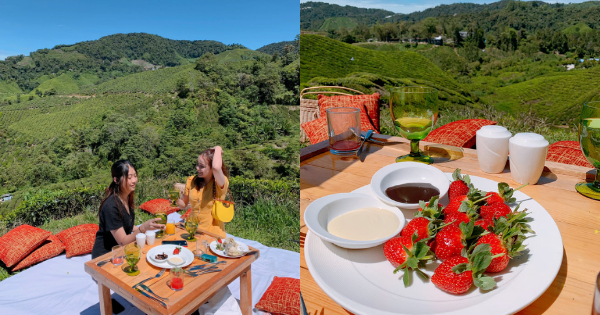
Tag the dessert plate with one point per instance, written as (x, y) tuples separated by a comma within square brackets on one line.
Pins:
[(168, 249), (363, 282), (241, 246)]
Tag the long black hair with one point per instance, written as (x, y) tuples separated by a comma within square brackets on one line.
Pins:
[(119, 172), (208, 154)]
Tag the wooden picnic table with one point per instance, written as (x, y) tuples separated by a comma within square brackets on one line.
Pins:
[(577, 217), (196, 291)]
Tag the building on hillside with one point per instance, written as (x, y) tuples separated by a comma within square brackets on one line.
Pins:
[(463, 34), (438, 40), (6, 197)]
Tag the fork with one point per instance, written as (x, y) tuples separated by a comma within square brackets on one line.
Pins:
[(151, 297), (145, 287), (157, 276)]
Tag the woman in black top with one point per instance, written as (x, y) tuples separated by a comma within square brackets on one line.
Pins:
[(117, 216)]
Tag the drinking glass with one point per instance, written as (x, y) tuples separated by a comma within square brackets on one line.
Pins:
[(173, 196), (343, 125), (176, 281), (132, 256), (170, 229), (163, 220), (414, 111), (117, 255), (589, 138), (191, 226)]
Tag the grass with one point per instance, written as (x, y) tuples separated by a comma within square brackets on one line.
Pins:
[(236, 55), (335, 23)]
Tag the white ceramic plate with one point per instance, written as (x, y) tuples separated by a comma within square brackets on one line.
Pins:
[(168, 249), (362, 280), (241, 246)]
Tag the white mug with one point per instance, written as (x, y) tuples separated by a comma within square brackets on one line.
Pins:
[(528, 153), (150, 237), (492, 148), (141, 239)]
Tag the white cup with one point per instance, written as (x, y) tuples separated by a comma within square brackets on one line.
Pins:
[(492, 148), (528, 153), (141, 239), (150, 237)]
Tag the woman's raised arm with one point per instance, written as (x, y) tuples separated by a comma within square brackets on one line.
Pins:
[(217, 167)]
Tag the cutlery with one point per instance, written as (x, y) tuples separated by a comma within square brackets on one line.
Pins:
[(157, 276), (206, 265), (145, 287), (367, 137), (201, 272), (149, 296), (103, 262)]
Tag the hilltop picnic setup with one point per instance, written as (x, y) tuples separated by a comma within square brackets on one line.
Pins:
[(496, 233)]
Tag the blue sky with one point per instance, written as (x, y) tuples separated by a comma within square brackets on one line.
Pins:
[(29, 25), (409, 6)]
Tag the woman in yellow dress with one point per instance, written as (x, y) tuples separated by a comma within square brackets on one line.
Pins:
[(201, 189)]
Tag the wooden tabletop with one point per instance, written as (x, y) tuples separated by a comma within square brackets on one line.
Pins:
[(196, 290), (577, 217)]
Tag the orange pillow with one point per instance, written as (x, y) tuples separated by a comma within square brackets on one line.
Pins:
[(282, 297), (80, 243), (64, 235), (50, 248), (460, 133), (371, 102), (317, 130), (567, 152), (19, 242), (154, 205)]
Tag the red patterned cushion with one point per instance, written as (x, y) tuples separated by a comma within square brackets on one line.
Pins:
[(282, 297), (316, 130), (19, 242), (153, 206), (460, 133), (567, 152), (49, 248), (371, 102), (80, 243), (64, 235)]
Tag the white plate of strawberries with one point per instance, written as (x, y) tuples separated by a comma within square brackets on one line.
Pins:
[(492, 265)]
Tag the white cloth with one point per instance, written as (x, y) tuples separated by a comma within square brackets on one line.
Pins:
[(61, 286)]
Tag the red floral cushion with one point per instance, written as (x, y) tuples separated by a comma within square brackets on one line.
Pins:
[(282, 297), (460, 133), (50, 248), (153, 206), (64, 235), (80, 243), (371, 102), (567, 152), (19, 242), (317, 130)]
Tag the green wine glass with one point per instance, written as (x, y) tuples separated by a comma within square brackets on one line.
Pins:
[(414, 111), (589, 138), (162, 215), (191, 226), (173, 196), (132, 256)]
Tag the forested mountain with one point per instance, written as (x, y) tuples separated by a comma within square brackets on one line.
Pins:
[(279, 47), (314, 14)]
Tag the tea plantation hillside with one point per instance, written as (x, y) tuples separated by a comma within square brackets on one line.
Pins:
[(324, 57)]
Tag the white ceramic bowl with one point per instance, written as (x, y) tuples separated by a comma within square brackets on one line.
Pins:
[(320, 212), (404, 173), (174, 257)]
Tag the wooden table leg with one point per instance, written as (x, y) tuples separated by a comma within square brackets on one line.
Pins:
[(105, 301), (246, 293)]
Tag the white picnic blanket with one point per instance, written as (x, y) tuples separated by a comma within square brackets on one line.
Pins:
[(61, 286)]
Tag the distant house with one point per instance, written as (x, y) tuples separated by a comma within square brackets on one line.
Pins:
[(438, 40), (6, 197), (463, 34)]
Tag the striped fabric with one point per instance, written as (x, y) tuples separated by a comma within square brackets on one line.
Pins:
[(154, 205), (460, 133), (51, 247), (567, 152), (282, 297), (371, 102), (19, 242), (316, 130)]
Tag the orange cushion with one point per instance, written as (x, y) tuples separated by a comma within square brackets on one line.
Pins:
[(51, 247), (64, 235), (282, 297), (19, 242), (460, 133), (317, 130), (371, 102), (80, 243), (153, 206), (567, 152)]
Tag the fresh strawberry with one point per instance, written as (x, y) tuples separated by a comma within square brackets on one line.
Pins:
[(220, 240), (455, 218), (451, 239), (495, 211), (419, 225), (177, 250), (485, 224), (499, 263), (404, 254), (456, 274), (460, 186), (493, 198), (452, 207)]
